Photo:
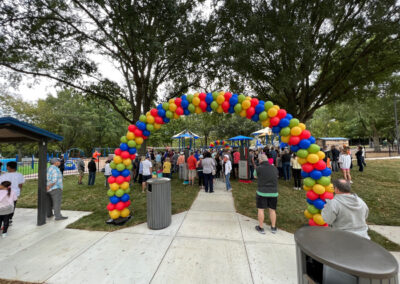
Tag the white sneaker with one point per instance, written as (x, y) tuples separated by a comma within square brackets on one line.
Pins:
[(351, 181), (4, 235)]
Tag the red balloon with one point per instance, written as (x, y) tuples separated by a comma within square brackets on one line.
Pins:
[(138, 133), (178, 101), (120, 206), (159, 120), (203, 105), (294, 140), (254, 102), (311, 195), (325, 195), (110, 206), (128, 178), (251, 111), (154, 112), (117, 151), (320, 165), (202, 96), (307, 167), (310, 222), (132, 127), (133, 156), (305, 134), (227, 96), (225, 105), (274, 121), (125, 155), (145, 137), (127, 203), (282, 113), (120, 179), (111, 179), (179, 110), (324, 225)]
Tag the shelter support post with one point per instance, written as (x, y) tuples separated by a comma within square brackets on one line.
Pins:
[(42, 182)]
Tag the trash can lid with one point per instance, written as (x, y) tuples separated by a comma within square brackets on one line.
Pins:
[(346, 252), (158, 180)]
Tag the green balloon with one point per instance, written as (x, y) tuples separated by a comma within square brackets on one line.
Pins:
[(150, 127), (294, 122), (142, 118), (131, 144), (241, 98), (314, 148), (191, 108), (312, 209), (119, 192), (113, 165), (127, 190), (165, 106), (169, 114), (284, 131), (214, 105), (189, 98), (325, 181), (309, 182), (215, 95), (302, 153), (263, 115), (130, 167), (124, 139), (110, 192), (268, 105), (120, 167)]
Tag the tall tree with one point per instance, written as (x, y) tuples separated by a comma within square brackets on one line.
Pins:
[(307, 54), (152, 43)]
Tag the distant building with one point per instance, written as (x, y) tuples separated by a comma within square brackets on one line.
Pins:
[(329, 141)]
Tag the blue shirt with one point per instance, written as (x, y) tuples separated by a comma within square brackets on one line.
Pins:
[(54, 176), (158, 158)]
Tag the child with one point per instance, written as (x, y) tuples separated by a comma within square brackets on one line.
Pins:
[(167, 168), (7, 198)]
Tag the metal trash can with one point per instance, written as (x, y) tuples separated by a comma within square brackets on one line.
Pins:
[(158, 203), (326, 256), (183, 172)]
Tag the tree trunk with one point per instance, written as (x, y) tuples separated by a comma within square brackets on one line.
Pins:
[(375, 137)]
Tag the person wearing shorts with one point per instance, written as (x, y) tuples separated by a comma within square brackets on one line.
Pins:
[(345, 164), (147, 171), (191, 162), (267, 193)]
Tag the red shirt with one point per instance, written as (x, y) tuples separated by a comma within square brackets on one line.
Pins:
[(236, 157), (191, 161)]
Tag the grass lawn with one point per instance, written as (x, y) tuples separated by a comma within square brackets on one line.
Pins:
[(378, 186), (95, 199)]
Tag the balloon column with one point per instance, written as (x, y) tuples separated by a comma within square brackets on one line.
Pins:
[(316, 175), (219, 143)]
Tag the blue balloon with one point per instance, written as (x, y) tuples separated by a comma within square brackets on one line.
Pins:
[(326, 172), (125, 173), (304, 144), (309, 201), (166, 119), (161, 112), (115, 173), (209, 98), (125, 197), (233, 101), (231, 109), (319, 203), (294, 148), (124, 147), (142, 126), (132, 151), (261, 103), (283, 145), (276, 129), (284, 123), (114, 199), (311, 139), (304, 174), (183, 97), (255, 118), (316, 174), (159, 107), (288, 116), (184, 103), (259, 108), (186, 112), (146, 133)]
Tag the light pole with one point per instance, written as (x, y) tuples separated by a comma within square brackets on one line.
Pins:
[(397, 125)]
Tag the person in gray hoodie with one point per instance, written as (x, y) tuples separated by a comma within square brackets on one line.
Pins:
[(346, 211)]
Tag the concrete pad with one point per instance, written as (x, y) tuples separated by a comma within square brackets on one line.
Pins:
[(213, 202), (272, 263), (117, 258), (171, 230), (396, 255), (204, 261), (211, 225), (40, 261), (251, 235), (390, 232)]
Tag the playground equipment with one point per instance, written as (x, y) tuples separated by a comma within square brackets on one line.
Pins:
[(183, 136)]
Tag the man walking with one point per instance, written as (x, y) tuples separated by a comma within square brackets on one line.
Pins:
[(81, 169), (267, 193), (92, 171), (191, 161), (147, 172), (54, 190)]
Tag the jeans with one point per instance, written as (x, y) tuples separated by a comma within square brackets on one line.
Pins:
[(286, 170), (360, 165), (12, 214), (107, 184), (92, 177), (5, 222), (208, 182), (54, 198), (251, 172), (201, 178), (335, 166), (228, 183), (297, 177)]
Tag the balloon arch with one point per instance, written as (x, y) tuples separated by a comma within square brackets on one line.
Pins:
[(293, 133)]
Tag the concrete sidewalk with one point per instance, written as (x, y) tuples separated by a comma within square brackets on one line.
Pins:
[(210, 243)]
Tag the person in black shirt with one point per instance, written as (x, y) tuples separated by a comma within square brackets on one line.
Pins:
[(335, 158), (286, 164), (92, 171), (359, 157), (62, 165)]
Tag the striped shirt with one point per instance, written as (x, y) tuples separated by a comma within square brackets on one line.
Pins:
[(54, 176)]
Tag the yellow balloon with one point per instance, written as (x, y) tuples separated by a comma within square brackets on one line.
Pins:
[(302, 126), (301, 161), (125, 212), (318, 189), (306, 188), (139, 140), (277, 107), (124, 185), (114, 186), (127, 162), (117, 159), (285, 139), (272, 112), (265, 123), (312, 158), (248, 98), (295, 131), (147, 113), (221, 93), (329, 188), (219, 109), (243, 113), (176, 116), (171, 101), (150, 118), (172, 107), (196, 94), (114, 214), (307, 214), (220, 99), (130, 135), (196, 101), (318, 219), (246, 104), (321, 155), (157, 126), (198, 110)]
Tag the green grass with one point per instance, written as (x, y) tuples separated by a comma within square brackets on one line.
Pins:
[(95, 199), (378, 186)]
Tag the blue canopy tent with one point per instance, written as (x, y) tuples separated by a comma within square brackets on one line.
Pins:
[(186, 134), (240, 140)]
